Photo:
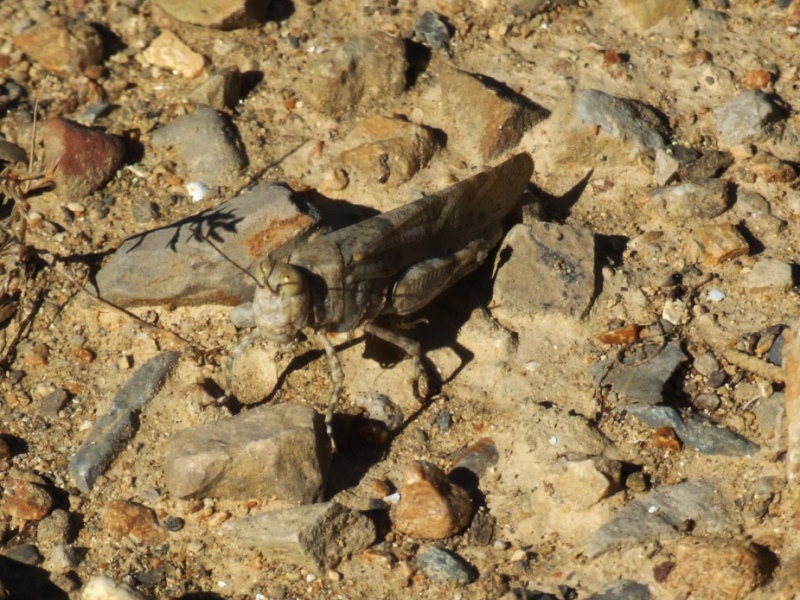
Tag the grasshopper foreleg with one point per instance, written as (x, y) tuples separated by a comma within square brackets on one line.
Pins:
[(412, 348), (337, 376)]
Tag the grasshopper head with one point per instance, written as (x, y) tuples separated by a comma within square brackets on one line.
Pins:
[(282, 303)]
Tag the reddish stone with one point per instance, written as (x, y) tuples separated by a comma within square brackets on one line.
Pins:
[(84, 158), (122, 517), (26, 501)]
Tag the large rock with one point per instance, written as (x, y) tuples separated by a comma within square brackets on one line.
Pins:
[(316, 536), (361, 70), (220, 14), (272, 451), (173, 265), (550, 267), (62, 45)]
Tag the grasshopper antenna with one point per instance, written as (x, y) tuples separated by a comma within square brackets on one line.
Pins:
[(208, 241)]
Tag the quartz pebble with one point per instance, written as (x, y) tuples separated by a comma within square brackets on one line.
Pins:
[(168, 51)]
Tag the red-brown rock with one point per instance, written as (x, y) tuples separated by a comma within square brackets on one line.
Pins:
[(122, 517), (26, 500)]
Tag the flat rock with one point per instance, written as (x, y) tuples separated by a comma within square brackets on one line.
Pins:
[(716, 568), (703, 199), (498, 116), (113, 429), (362, 70), (278, 451), (645, 382), (770, 413), (624, 589), (318, 536), (207, 144), (748, 117), (581, 483), (660, 514), (431, 507), (550, 268), (389, 151), (63, 45), (719, 242), (162, 265), (221, 90), (169, 52), (696, 431), (219, 14), (443, 567), (770, 274), (84, 159), (629, 120), (650, 12)]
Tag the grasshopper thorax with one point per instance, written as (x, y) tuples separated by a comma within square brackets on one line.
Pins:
[(282, 302)]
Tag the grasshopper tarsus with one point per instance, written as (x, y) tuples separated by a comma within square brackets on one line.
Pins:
[(337, 376)]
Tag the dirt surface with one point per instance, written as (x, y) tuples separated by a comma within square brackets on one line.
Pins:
[(497, 381)]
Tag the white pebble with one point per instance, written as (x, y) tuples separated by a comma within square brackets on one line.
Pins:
[(716, 295), (197, 191), (392, 498)]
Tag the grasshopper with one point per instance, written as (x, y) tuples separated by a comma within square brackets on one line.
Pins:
[(394, 263)]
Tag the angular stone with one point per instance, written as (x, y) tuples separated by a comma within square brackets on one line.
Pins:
[(389, 151), (703, 199), (318, 536), (222, 90), (649, 12), (443, 567), (208, 145), (498, 117), (219, 14), (430, 506), (757, 212), (162, 265), (62, 46), (660, 515), (716, 568), (275, 451), (84, 159), (125, 518), (747, 117), (476, 459), (25, 500), (360, 71), (770, 413), (432, 29), (770, 274), (720, 242), (113, 429), (550, 268), (624, 589), (583, 483), (55, 529), (665, 168), (697, 432), (645, 382), (709, 165), (169, 52), (629, 120)]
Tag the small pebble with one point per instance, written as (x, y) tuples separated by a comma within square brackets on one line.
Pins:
[(717, 379), (709, 402), (121, 517), (27, 554), (26, 501), (706, 364), (197, 190), (441, 566), (173, 523), (715, 295)]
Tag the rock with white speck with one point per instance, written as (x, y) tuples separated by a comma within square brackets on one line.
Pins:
[(770, 274)]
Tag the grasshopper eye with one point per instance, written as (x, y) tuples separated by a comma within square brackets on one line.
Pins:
[(281, 278)]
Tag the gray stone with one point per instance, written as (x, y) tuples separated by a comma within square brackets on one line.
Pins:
[(220, 14), (706, 364), (207, 144), (113, 429), (318, 536), (624, 589), (550, 268), (770, 413), (665, 168), (661, 514), (498, 117), (756, 210), (55, 529), (748, 116), (27, 554), (704, 199), (628, 120), (709, 402), (276, 451), (360, 71), (221, 90), (645, 382), (769, 274), (62, 558), (443, 567), (696, 431), (53, 402), (173, 265), (432, 30)]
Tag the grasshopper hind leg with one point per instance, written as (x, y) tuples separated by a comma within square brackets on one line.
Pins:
[(412, 348), (337, 376), (235, 353)]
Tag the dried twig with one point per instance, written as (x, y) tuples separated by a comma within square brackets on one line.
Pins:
[(755, 365)]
